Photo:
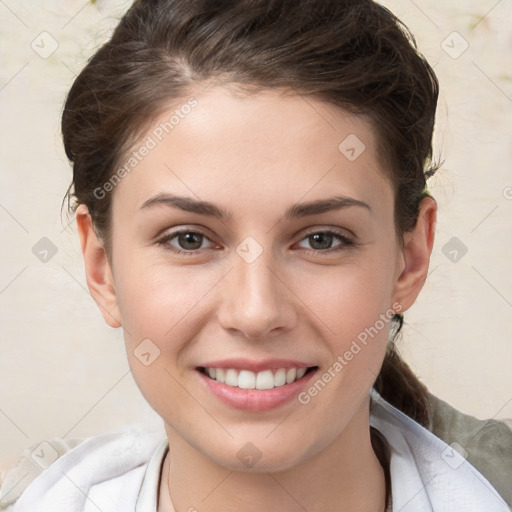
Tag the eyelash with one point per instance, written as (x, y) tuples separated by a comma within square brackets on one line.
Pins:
[(346, 242)]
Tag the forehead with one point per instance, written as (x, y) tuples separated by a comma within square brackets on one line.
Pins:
[(264, 148)]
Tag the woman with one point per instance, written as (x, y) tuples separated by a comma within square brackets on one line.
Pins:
[(250, 195)]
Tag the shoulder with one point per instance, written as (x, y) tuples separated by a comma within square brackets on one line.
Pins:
[(31, 463), (426, 472), (59, 475), (486, 444)]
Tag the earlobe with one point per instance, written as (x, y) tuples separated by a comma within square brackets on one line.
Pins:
[(97, 268), (415, 257)]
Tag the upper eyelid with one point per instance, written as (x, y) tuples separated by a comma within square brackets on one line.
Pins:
[(172, 234), (343, 232)]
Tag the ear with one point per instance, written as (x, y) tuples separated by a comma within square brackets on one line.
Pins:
[(97, 268), (415, 257)]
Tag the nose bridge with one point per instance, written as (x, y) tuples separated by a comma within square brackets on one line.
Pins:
[(256, 301)]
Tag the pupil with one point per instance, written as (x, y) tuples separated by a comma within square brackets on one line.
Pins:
[(190, 238), (327, 240)]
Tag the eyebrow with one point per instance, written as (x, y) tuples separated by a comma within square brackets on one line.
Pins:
[(297, 210)]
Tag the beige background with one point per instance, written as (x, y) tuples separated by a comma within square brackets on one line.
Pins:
[(63, 372)]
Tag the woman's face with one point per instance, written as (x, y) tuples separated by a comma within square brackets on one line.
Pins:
[(287, 260)]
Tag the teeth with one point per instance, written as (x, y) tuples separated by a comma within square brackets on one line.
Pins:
[(264, 380), (290, 375), (246, 379), (219, 374), (280, 377), (231, 378)]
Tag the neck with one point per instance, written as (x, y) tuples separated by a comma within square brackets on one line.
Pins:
[(345, 476)]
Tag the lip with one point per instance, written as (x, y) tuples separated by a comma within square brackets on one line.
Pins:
[(255, 399), (239, 363)]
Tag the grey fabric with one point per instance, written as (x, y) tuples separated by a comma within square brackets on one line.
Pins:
[(487, 444)]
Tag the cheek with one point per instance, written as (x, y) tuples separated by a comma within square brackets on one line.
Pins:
[(355, 321), (348, 299), (156, 307), (353, 305), (157, 301), (163, 310)]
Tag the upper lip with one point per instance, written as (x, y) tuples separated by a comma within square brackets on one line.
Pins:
[(255, 366)]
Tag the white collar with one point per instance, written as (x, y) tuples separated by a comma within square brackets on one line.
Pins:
[(427, 475), (123, 469), (149, 490)]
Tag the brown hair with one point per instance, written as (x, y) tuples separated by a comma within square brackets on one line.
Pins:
[(354, 54)]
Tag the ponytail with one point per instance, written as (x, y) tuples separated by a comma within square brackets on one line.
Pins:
[(398, 385)]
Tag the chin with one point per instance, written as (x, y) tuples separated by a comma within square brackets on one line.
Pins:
[(274, 464), (262, 457)]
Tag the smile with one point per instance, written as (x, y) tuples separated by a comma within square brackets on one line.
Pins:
[(267, 385), (246, 379)]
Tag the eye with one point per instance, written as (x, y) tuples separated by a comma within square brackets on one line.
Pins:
[(321, 241), (188, 241)]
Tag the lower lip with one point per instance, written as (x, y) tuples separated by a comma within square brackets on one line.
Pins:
[(256, 399)]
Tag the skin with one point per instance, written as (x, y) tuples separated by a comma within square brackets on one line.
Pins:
[(256, 155)]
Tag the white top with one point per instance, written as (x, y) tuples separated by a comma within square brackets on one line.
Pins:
[(121, 472)]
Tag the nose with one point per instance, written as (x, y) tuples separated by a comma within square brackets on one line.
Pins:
[(256, 300)]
